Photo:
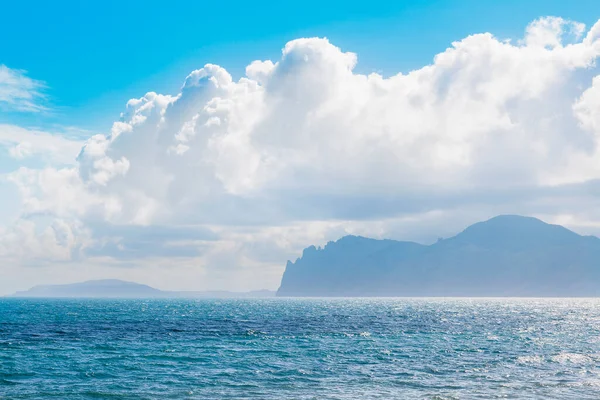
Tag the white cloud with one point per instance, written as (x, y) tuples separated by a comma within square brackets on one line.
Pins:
[(552, 31), (304, 149), (53, 148), (41, 242), (19, 92)]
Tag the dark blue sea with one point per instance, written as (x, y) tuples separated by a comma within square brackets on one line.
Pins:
[(300, 349)]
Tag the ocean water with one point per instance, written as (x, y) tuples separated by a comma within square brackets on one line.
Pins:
[(300, 349)]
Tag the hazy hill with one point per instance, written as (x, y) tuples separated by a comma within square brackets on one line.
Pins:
[(113, 288), (504, 256)]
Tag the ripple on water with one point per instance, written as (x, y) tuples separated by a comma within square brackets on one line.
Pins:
[(572, 358)]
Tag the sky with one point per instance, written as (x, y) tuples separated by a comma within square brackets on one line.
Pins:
[(192, 146)]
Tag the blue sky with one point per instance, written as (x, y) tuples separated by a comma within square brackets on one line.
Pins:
[(94, 56), (410, 121)]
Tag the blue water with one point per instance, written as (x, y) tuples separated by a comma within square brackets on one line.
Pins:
[(299, 349)]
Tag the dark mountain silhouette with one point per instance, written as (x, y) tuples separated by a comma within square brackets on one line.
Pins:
[(114, 288), (507, 255)]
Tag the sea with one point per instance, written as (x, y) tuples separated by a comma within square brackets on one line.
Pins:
[(300, 349)]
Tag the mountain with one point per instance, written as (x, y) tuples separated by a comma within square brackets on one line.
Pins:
[(507, 255), (114, 288), (97, 288)]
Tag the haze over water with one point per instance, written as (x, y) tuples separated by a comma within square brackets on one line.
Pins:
[(300, 349)]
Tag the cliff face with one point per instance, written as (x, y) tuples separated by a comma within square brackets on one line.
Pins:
[(504, 256)]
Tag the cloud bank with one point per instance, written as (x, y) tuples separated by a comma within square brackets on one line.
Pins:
[(228, 178)]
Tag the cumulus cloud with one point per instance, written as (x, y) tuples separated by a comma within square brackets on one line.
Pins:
[(304, 149), (41, 242), (19, 92)]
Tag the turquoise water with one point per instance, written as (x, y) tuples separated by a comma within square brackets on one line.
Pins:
[(299, 349)]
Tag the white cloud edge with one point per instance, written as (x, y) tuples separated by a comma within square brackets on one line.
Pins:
[(20, 93)]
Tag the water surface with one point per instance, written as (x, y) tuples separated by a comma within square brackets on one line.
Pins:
[(300, 349)]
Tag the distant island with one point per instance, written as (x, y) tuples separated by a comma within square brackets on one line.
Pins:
[(507, 255), (114, 288)]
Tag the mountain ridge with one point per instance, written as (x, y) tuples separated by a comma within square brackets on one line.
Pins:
[(116, 288), (508, 255)]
